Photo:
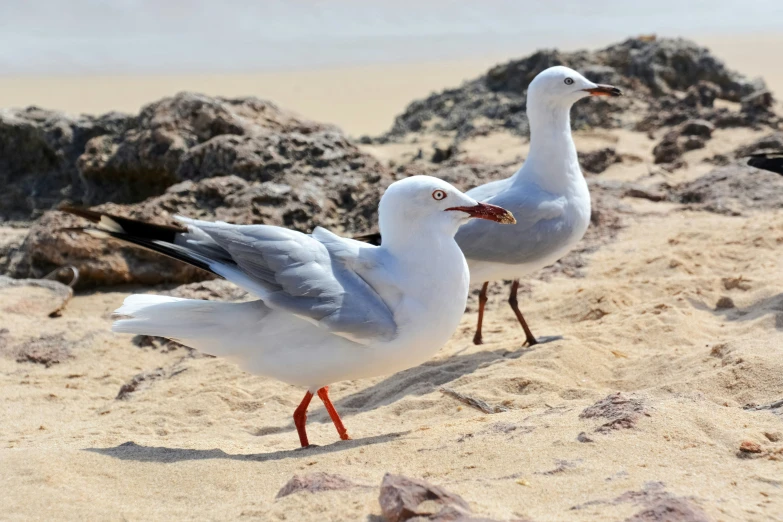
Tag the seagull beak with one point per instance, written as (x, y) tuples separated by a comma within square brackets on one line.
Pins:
[(490, 212), (604, 90)]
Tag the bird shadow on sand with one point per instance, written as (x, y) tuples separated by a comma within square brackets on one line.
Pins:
[(422, 379), (416, 381), (770, 305), (138, 453)]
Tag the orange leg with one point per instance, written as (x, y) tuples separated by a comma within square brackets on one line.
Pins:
[(300, 418), (482, 302), (323, 394)]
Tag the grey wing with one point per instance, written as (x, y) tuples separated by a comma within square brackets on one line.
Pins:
[(487, 190), (308, 276), (540, 229)]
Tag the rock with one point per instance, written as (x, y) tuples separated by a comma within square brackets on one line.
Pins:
[(773, 436), (317, 482), (599, 160), (699, 128), (143, 380), (759, 101), (30, 297), (234, 160), (670, 510), (100, 262), (188, 136), (622, 411), (748, 446), (212, 290), (644, 193), (584, 437), (124, 159), (770, 143), (693, 143), (703, 94), (46, 349), (668, 149), (401, 499), (38, 154), (669, 81), (724, 303), (719, 160), (731, 190), (686, 137), (441, 155)]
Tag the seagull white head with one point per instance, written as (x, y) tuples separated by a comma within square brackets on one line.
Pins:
[(419, 202), (561, 86)]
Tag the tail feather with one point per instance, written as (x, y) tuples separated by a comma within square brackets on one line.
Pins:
[(204, 325)]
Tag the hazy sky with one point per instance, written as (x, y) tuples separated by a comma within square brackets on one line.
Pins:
[(158, 36)]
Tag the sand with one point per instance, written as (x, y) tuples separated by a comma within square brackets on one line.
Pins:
[(200, 439)]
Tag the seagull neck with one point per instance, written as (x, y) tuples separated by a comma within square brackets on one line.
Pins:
[(402, 239), (552, 162)]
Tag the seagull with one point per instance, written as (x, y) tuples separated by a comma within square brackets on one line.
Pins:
[(329, 308), (548, 195)]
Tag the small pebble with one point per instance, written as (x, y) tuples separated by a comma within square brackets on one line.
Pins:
[(724, 303), (748, 446)]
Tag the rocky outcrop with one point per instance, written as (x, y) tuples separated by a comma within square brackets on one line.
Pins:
[(667, 81), (238, 160), (735, 189), (690, 135), (39, 150), (47, 158)]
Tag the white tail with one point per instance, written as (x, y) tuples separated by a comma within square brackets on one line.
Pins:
[(193, 322)]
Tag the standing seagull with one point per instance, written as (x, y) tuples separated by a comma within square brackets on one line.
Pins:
[(330, 308), (548, 195)]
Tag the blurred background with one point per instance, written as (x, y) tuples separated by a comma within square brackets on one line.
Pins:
[(354, 63)]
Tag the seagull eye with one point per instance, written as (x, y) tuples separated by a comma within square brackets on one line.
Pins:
[(438, 195), (569, 81)]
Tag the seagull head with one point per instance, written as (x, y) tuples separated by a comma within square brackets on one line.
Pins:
[(561, 86), (416, 202)]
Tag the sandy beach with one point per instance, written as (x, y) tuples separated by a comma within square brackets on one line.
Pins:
[(647, 317)]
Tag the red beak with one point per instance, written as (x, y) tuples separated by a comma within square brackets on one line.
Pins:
[(604, 90), (490, 212)]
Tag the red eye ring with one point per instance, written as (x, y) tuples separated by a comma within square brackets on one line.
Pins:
[(438, 195)]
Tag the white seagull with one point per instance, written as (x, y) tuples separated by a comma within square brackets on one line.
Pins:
[(548, 195), (330, 308)]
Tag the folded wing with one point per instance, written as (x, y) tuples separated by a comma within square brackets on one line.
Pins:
[(307, 275), (310, 276)]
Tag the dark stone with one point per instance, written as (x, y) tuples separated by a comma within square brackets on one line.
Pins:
[(599, 160), (700, 128), (732, 189), (317, 482), (46, 350), (401, 497), (668, 150), (670, 510), (622, 411)]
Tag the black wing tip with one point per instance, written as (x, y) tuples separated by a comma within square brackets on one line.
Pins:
[(373, 238)]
